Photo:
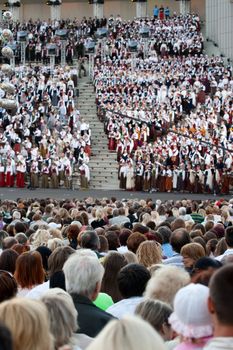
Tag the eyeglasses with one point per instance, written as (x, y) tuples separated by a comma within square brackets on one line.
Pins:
[(7, 273)]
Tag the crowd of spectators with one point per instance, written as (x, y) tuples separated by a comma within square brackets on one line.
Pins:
[(167, 108), (89, 274)]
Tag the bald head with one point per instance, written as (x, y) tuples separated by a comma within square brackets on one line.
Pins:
[(179, 238)]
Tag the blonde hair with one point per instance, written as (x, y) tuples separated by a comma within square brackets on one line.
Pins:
[(28, 323), (165, 283), (130, 257), (155, 217), (149, 253), (189, 225), (146, 218), (55, 233), (40, 238), (55, 243), (129, 333)]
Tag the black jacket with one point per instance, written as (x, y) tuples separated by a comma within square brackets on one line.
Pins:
[(91, 319)]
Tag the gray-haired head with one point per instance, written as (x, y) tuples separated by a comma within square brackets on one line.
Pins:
[(83, 275)]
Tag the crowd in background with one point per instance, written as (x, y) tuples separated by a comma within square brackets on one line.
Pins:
[(89, 274), (44, 137), (41, 33), (167, 108)]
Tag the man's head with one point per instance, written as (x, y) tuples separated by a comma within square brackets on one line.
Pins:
[(90, 240), (179, 238), (21, 238), (221, 302), (8, 242), (132, 280), (83, 275), (229, 236)]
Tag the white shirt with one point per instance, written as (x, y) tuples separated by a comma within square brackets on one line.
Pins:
[(124, 307), (226, 253), (38, 291)]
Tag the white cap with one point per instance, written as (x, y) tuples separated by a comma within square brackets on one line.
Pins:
[(191, 317)]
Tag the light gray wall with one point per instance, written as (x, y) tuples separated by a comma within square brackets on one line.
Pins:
[(219, 24), (78, 8)]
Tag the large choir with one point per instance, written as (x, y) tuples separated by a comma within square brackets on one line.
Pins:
[(167, 109), (46, 136)]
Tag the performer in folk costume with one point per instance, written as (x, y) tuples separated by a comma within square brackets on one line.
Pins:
[(175, 177), (208, 179), (129, 176), (199, 180), (34, 173), (119, 149), (84, 176), (68, 175), (54, 173), (181, 185), (2, 175), (147, 177), (111, 140), (190, 179), (20, 171), (154, 176), (168, 181), (225, 181), (9, 172), (162, 179), (217, 174), (45, 171), (122, 174), (139, 176)]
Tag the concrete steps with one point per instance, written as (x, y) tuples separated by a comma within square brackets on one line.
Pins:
[(103, 165)]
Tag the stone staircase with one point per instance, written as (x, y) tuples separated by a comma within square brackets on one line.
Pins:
[(103, 165)]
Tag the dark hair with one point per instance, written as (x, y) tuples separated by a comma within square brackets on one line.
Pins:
[(140, 228), (8, 242), (112, 263), (221, 291), (151, 225), (124, 235), (3, 235), (29, 269), (45, 253), (195, 233), (229, 236), (6, 342), (8, 286), (134, 240), (8, 260), (113, 240), (179, 238), (90, 240), (199, 227), (132, 280), (209, 235), (201, 241), (20, 227), (21, 238), (58, 258), (165, 233), (211, 246)]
